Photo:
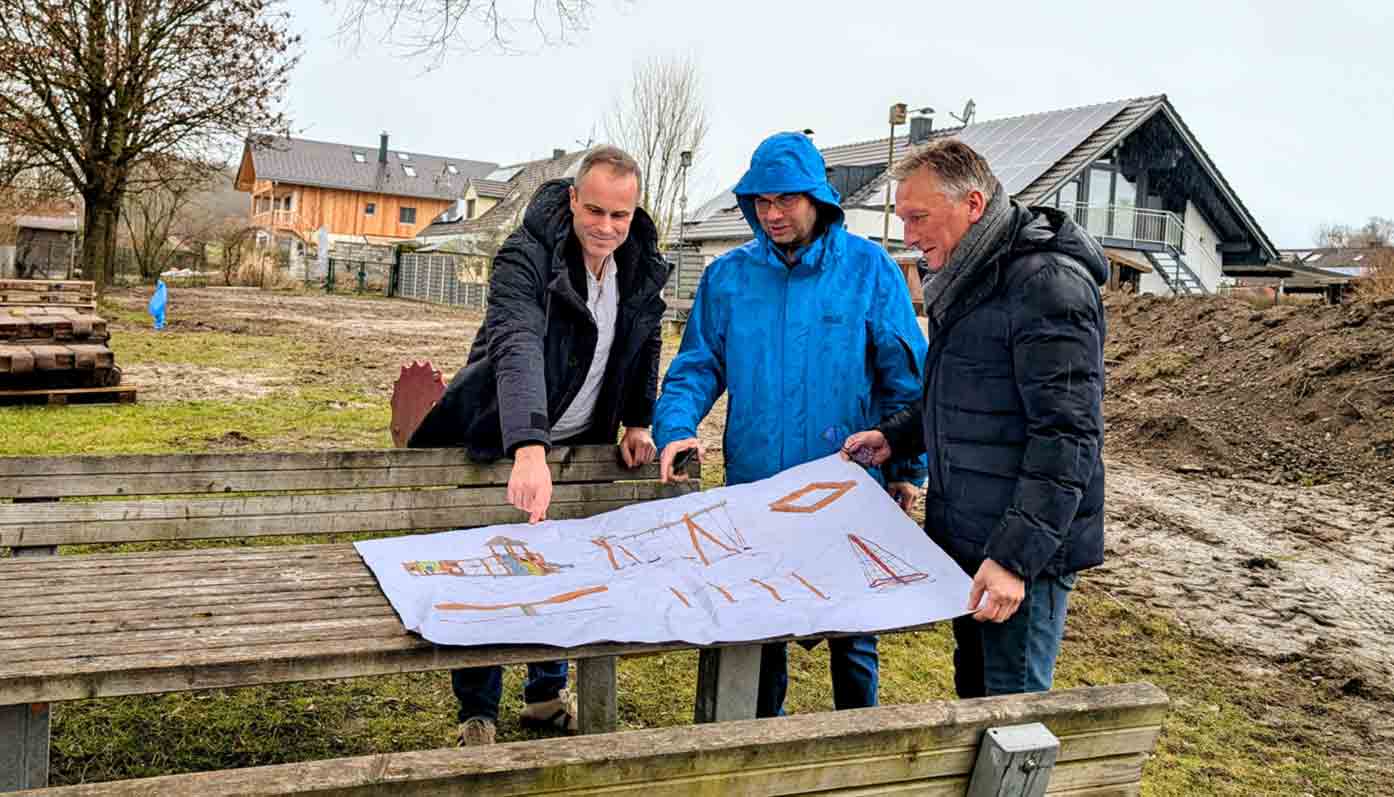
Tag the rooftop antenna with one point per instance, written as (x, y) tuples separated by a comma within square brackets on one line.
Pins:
[(970, 109)]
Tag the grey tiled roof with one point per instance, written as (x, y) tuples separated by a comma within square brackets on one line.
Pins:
[(299, 161), (502, 218), (491, 189)]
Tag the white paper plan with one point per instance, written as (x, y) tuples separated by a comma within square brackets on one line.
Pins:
[(819, 548)]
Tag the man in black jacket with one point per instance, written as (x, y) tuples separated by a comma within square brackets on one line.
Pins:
[(1012, 409), (568, 352)]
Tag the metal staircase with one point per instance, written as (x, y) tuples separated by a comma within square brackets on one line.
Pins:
[(1172, 268)]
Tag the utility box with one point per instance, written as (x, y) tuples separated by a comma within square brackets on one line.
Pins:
[(1014, 761)]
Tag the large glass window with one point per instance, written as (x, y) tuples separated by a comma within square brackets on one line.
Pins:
[(1100, 197), (1124, 205)]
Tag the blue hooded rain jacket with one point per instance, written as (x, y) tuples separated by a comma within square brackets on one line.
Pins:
[(808, 353)]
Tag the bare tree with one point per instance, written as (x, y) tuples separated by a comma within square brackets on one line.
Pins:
[(435, 28), (160, 219), (663, 115), (1376, 231), (91, 88)]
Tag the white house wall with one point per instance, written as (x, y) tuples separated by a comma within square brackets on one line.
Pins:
[(1151, 282), (1200, 236)]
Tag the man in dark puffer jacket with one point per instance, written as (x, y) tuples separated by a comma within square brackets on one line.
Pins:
[(1012, 409)]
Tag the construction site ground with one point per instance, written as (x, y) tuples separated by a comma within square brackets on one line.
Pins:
[(1250, 543)]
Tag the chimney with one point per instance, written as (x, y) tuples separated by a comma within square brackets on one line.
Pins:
[(557, 154), (920, 129), (382, 148)]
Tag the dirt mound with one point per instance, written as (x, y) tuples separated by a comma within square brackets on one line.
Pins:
[(1297, 393)]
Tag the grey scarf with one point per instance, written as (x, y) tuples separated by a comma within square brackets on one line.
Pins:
[(974, 252)]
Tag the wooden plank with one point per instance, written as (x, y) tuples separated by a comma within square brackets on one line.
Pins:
[(923, 748), (121, 393), (328, 470), (414, 511), (597, 687), (99, 622), (728, 681)]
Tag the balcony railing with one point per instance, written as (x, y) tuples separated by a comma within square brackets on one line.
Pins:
[(1124, 224), (1127, 223), (276, 218)]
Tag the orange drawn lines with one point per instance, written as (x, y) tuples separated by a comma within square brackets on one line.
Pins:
[(773, 592), (564, 597), (811, 588), (609, 552), (729, 598), (786, 504), (681, 596)]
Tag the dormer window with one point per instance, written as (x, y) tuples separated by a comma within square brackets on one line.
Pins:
[(402, 156), (450, 167), (410, 170), (359, 157)]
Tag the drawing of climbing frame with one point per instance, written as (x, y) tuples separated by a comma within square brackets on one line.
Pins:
[(819, 548)]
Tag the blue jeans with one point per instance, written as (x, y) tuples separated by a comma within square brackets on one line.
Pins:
[(1019, 655), (479, 689), (855, 669)]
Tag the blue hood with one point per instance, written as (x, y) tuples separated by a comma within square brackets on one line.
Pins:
[(786, 163)]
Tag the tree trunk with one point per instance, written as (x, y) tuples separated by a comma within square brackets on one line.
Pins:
[(100, 217)]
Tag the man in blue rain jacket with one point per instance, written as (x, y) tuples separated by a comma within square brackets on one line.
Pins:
[(810, 331)]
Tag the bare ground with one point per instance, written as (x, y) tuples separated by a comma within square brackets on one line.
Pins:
[(1294, 574)]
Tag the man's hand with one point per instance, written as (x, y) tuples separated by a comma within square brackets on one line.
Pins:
[(530, 483), (867, 449), (905, 494), (636, 447), (666, 472), (999, 590)]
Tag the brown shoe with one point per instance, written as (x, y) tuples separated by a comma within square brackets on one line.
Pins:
[(558, 714), (476, 732)]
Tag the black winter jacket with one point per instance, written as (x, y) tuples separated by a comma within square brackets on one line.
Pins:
[(531, 356), (1012, 409)]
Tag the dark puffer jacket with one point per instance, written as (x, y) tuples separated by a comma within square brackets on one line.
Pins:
[(531, 356), (1012, 410)]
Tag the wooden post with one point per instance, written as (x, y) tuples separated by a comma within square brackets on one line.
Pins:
[(728, 681), (596, 684), (24, 728), (1014, 761)]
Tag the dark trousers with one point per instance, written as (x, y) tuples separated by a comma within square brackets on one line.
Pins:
[(855, 667), (479, 689), (1016, 656)]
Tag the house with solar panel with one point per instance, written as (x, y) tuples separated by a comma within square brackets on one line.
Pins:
[(1131, 172)]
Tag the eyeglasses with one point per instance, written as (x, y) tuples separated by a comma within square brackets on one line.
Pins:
[(784, 202)]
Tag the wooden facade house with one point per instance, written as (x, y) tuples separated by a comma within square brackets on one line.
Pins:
[(364, 198)]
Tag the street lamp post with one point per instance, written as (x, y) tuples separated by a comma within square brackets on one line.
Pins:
[(684, 163), (897, 117)]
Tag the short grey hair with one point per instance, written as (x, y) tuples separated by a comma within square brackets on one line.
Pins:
[(958, 168), (614, 157)]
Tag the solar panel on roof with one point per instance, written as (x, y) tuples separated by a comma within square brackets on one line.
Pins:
[(1021, 149)]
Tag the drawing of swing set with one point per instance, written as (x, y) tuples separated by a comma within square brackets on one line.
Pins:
[(507, 558), (707, 535), (881, 567)]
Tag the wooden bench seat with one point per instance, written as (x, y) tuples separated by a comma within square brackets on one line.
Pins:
[(1105, 735), (97, 625)]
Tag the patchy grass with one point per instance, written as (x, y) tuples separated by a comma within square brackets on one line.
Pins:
[(1162, 364), (311, 418), (208, 348)]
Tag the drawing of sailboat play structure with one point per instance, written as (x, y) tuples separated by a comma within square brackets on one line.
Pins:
[(881, 567), (706, 536), (507, 558)]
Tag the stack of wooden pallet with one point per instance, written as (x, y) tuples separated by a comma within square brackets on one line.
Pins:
[(52, 339)]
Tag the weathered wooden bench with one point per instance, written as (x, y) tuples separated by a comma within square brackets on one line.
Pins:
[(1103, 735), (104, 624)]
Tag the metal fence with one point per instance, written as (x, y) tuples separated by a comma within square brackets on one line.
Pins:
[(436, 278)]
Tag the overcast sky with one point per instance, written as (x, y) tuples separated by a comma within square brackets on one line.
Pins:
[(1293, 101)]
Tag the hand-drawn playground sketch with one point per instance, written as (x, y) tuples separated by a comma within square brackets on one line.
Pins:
[(819, 548)]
